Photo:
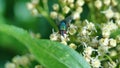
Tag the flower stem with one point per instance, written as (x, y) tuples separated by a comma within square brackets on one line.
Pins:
[(46, 15)]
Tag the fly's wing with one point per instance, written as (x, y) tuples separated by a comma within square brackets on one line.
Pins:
[(68, 20)]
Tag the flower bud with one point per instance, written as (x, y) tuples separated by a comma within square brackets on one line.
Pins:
[(55, 7), (106, 2), (98, 4), (30, 6), (72, 45), (66, 9), (10, 65), (96, 63), (79, 9), (112, 43), (53, 14), (76, 15), (80, 2)]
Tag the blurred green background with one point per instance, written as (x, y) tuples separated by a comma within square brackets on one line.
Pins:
[(15, 12)]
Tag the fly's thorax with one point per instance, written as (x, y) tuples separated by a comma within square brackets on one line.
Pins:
[(62, 26)]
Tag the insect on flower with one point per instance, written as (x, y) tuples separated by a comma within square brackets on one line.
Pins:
[(64, 24)]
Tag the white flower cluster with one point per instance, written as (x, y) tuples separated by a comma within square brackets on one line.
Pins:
[(94, 61), (109, 13), (66, 6), (88, 28), (18, 61), (100, 46), (108, 28), (55, 36), (94, 43), (72, 29), (100, 3), (32, 6)]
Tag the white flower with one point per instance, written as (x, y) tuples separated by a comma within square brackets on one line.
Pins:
[(104, 41), (53, 14), (24, 60), (114, 2), (70, 1), (54, 36), (65, 38), (10, 65), (35, 1), (55, 7), (61, 17), (79, 9), (108, 13), (72, 45), (103, 50), (88, 50), (84, 31), (71, 5), (113, 53), (38, 66), (63, 1), (96, 63), (87, 57), (117, 15), (64, 42), (65, 9), (35, 12), (72, 29), (94, 41), (112, 26), (112, 43), (76, 15), (16, 59), (112, 64), (107, 28), (90, 25), (80, 2), (21, 60), (30, 6), (106, 2), (98, 4), (106, 33)]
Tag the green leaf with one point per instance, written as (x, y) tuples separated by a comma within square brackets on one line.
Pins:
[(50, 54)]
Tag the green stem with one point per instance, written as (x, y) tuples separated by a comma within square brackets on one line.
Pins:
[(92, 16), (109, 58), (46, 15), (45, 5)]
